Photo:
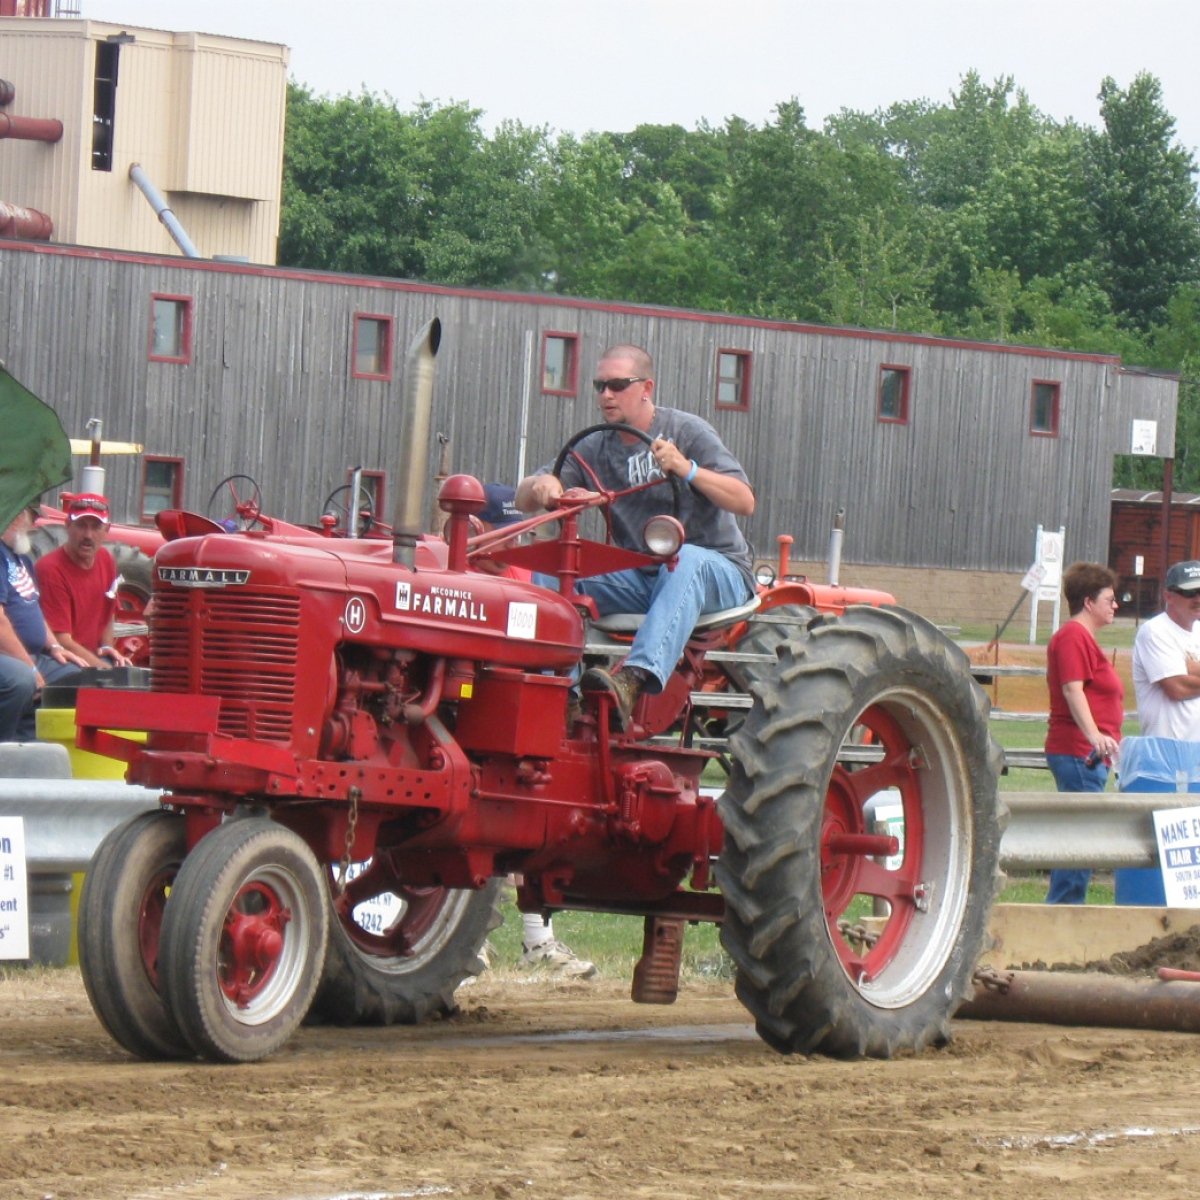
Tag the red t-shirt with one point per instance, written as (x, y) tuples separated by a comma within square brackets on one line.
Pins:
[(78, 602), (1073, 655)]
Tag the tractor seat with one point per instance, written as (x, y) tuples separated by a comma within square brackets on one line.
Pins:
[(629, 623)]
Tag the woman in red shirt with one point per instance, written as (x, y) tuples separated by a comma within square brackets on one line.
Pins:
[(1087, 703)]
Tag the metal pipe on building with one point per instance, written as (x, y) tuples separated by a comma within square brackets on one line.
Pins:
[(1084, 998), (30, 129), (163, 211), (24, 223), (416, 421)]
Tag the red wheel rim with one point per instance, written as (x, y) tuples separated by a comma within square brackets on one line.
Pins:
[(846, 874), (150, 919), (421, 907), (252, 939)]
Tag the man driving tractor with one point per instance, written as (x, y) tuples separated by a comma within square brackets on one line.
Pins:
[(714, 568)]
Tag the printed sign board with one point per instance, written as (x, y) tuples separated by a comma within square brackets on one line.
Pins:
[(1143, 438), (1049, 550), (14, 890), (1178, 834)]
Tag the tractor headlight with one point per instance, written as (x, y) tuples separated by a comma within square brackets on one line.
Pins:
[(663, 536), (764, 574)]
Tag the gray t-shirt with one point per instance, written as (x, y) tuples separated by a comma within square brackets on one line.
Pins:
[(620, 465)]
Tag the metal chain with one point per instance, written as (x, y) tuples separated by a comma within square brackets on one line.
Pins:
[(351, 824), (993, 980), (857, 934)]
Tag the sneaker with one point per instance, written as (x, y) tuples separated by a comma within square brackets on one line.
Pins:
[(486, 956), (554, 956), (623, 685)]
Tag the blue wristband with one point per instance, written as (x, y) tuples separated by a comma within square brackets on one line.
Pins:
[(692, 473)]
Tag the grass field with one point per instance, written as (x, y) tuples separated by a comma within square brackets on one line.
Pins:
[(1119, 634), (614, 944)]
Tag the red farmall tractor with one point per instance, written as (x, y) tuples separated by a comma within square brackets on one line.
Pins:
[(359, 738)]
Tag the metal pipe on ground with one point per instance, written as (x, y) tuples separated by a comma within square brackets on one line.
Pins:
[(25, 223), (162, 210), (1065, 998), (409, 521), (30, 129)]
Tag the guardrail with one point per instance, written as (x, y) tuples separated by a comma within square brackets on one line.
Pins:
[(66, 819), (1049, 830)]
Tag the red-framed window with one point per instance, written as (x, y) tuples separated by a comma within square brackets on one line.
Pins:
[(560, 364), (733, 379), (894, 384), (170, 328), (372, 346), (162, 485), (1044, 406)]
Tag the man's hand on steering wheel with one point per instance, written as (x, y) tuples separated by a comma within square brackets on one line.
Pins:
[(544, 490), (670, 459)]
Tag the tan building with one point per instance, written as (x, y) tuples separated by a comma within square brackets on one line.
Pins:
[(203, 115)]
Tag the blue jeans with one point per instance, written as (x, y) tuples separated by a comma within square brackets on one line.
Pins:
[(18, 684), (1071, 774), (703, 582)]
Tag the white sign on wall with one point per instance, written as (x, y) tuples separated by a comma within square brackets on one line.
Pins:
[(1178, 834), (1144, 438), (14, 890)]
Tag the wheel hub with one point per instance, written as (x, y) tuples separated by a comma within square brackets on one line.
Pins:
[(252, 942)]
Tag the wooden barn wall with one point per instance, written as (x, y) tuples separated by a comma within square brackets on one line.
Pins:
[(269, 393)]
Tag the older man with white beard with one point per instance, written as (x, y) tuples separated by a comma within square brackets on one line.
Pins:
[(29, 656)]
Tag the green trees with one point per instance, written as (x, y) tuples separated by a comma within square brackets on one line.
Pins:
[(1144, 201), (375, 191), (979, 216)]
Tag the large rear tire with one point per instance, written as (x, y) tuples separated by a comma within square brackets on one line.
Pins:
[(402, 957), (121, 909), (243, 940), (802, 860)]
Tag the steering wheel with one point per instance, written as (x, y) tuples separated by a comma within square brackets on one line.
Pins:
[(339, 503), (243, 505), (610, 496)]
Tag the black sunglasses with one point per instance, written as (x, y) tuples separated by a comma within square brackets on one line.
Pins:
[(616, 385)]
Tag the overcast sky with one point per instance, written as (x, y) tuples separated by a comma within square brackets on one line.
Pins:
[(577, 65)]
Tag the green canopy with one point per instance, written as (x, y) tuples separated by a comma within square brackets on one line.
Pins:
[(35, 453)]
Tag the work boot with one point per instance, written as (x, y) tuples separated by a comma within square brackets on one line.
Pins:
[(623, 685)]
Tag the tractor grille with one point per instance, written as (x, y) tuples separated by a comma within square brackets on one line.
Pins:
[(238, 645)]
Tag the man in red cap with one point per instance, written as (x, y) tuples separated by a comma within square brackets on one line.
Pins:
[(78, 583)]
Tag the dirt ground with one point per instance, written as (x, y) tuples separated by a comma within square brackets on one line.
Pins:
[(545, 1090)]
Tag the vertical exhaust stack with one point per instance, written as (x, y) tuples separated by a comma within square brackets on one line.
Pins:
[(416, 421)]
